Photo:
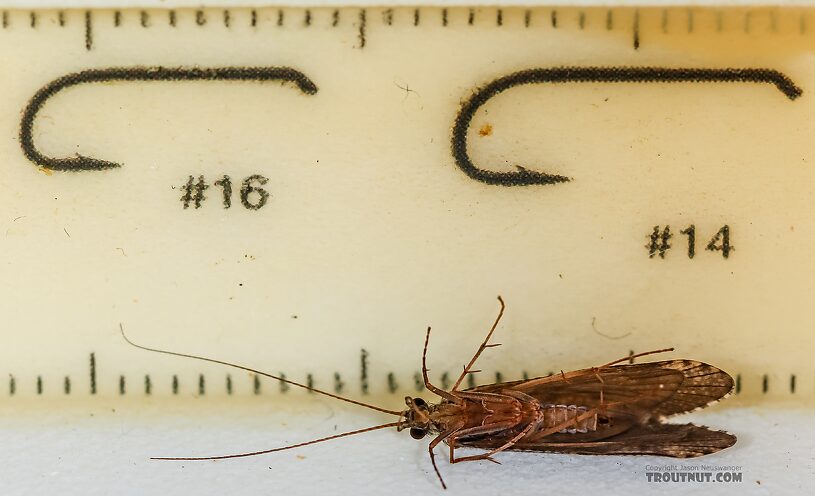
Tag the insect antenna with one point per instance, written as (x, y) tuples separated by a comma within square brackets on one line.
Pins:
[(248, 369), (253, 453)]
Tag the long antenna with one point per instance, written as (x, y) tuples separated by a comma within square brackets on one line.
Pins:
[(315, 441), (287, 381)]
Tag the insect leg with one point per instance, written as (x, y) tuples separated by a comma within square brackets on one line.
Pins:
[(629, 357), (427, 384), (484, 345), (602, 407), (476, 431), (563, 376), (451, 442), (488, 455), (435, 442), (485, 429)]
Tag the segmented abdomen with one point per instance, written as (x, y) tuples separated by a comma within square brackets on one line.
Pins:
[(554, 415)]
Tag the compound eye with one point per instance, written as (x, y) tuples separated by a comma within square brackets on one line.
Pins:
[(419, 402), (417, 433)]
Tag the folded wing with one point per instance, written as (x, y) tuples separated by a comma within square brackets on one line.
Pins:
[(646, 390), (674, 440)]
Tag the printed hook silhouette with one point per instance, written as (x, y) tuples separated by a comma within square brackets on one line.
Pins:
[(138, 73), (524, 176)]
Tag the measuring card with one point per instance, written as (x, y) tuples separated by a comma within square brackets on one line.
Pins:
[(304, 191)]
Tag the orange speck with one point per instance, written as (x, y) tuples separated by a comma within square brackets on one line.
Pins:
[(45, 171), (485, 130)]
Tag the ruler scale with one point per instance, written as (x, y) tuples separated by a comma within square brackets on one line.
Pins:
[(303, 191)]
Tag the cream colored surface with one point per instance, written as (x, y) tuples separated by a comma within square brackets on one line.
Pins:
[(372, 233)]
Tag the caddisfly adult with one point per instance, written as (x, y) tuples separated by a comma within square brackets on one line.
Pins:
[(613, 409)]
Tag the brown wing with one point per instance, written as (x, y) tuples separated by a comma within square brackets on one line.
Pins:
[(703, 384), (644, 389), (678, 441)]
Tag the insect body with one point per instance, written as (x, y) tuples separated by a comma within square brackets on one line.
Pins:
[(614, 409), (607, 410)]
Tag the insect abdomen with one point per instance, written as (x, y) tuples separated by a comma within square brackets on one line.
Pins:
[(554, 415)]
